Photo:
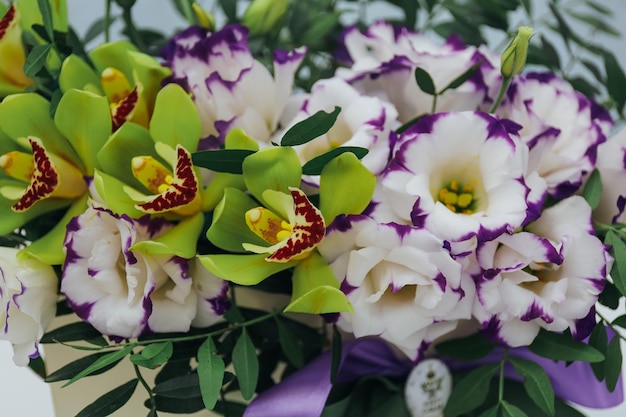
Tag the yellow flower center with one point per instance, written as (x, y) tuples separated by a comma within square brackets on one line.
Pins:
[(458, 198)]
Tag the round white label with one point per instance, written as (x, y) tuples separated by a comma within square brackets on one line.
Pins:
[(427, 388)]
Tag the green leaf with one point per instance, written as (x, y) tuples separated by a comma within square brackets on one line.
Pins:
[(615, 80), (613, 363), (46, 16), (100, 363), (38, 366), (461, 79), (618, 250), (491, 412), (346, 187), (599, 24), (620, 321), (72, 332), (310, 128), (110, 402), (473, 347), (424, 81), (510, 410), (246, 365), (599, 340), (153, 355), (536, 382), (562, 347), (182, 387), (210, 373), (222, 160), (592, 192), (36, 59), (317, 164), (610, 296), (471, 391), (75, 367), (289, 343)]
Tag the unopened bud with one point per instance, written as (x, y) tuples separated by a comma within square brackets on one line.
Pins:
[(205, 19), (514, 57), (261, 15)]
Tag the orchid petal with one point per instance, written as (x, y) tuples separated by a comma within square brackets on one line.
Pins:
[(112, 194), (117, 153), (242, 269), (315, 288), (180, 127), (89, 132), (49, 248), (28, 114), (346, 187), (76, 73), (275, 168), (181, 240), (228, 230)]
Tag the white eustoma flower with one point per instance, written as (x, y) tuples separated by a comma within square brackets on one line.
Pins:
[(547, 277), (460, 175), (562, 127), (364, 121), (612, 167), (230, 88), (124, 292), (383, 59), (28, 293), (402, 282)]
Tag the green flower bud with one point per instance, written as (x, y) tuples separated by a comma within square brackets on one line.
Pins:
[(514, 57), (205, 19), (261, 15)]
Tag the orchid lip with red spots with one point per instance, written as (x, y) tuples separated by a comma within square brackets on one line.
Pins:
[(44, 180), (6, 21), (123, 110)]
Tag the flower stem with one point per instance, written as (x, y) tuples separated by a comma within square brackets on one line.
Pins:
[(506, 82), (505, 356), (146, 386), (107, 21)]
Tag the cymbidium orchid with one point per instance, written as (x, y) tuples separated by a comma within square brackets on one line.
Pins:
[(460, 175), (285, 229), (383, 59), (46, 161), (562, 127), (12, 54), (390, 272), (151, 171), (128, 78), (28, 296), (230, 88), (130, 277), (364, 121), (548, 276)]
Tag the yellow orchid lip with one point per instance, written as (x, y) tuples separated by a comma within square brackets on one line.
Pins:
[(52, 177), (18, 165), (178, 193)]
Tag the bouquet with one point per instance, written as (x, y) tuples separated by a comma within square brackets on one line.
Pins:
[(287, 208)]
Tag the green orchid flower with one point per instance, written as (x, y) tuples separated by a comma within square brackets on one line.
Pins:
[(128, 78), (150, 171), (45, 161), (12, 54), (284, 231)]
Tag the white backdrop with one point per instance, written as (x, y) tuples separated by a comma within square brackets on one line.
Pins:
[(22, 393)]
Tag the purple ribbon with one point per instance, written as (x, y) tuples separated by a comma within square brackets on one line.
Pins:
[(304, 393)]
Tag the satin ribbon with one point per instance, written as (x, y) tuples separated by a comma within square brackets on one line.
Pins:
[(304, 393)]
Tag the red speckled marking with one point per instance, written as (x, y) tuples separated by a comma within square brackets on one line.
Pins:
[(44, 181), (308, 231), (181, 192), (6, 21), (124, 109)]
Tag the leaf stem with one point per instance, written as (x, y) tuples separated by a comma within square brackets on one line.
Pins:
[(143, 382), (608, 323), (505, 356)]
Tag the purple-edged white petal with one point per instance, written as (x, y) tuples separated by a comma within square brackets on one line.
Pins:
[(561, 126), (382, 63), (212, 299), (612, 166), (230, 88), (547, 277), (459, 175), (28, 295), (364, 121), (391, 272), (124, 292)]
